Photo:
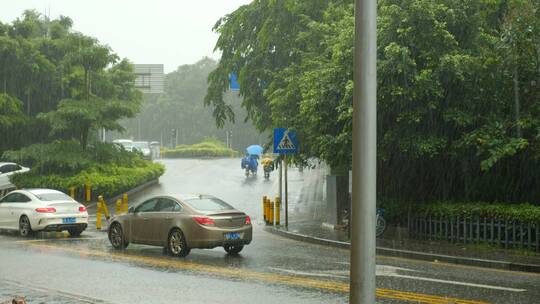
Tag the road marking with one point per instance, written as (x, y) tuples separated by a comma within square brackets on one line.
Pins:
[(457, 283), (391, 271), (260, 276)]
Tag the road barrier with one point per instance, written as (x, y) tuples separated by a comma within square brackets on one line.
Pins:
[(269, 207), (125, 206), (119, 209), (72, 192), (101, 210), (88, 192)]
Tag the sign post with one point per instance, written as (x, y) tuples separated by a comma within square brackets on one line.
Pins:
[(285, 142)]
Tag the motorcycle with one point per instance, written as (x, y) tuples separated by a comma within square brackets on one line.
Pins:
[(249, 164), (267, 170)]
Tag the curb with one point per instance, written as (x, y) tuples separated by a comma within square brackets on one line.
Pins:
[(132, 191), (415, 255)]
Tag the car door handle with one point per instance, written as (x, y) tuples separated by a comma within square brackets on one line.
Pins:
[(145, 219)]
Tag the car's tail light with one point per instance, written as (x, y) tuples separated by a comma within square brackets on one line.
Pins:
[(248, 220), (82, 209), (45, 210), (203, 220)]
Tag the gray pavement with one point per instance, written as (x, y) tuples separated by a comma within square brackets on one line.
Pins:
[(53, 268)]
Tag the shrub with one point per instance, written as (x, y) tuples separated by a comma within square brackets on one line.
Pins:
[(63, 164), (107, 180), (210, 147), (525, 213)]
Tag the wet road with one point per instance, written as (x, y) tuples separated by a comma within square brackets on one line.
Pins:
[(55, 269)]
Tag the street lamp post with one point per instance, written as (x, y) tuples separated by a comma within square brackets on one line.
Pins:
[(364, 155)]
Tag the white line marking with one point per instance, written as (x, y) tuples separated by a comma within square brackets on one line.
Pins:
[(457, 283)]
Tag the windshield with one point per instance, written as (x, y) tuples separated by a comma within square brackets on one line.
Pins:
[(141, 145), (208, 204), (53, 197)]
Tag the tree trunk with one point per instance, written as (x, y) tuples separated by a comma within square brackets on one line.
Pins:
[(516, 100), (84, 137)]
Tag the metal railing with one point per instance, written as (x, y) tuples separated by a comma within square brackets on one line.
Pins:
[(504, 233)]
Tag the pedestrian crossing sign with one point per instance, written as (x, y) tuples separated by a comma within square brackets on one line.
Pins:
[(285, 141)]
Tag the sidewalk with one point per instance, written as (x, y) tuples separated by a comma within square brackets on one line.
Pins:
[(307, 211)]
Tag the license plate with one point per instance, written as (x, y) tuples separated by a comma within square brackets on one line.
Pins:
[(68, 220), (232, 236)]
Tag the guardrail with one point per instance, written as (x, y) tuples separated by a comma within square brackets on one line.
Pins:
[(504, 233)]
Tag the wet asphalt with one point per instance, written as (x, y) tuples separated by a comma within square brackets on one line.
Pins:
[(53, 268)]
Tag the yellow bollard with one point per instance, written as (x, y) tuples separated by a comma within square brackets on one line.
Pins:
[(125, 205), (118, 209), (267, 210), (278, 208), (264, 208), (270, 212), (72, 192), (88, 192), (98, 215), (104, 207)]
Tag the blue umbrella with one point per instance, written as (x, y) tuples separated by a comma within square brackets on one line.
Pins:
[(254, 150)]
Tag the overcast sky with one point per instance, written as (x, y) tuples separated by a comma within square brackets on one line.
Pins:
[(172, 32)]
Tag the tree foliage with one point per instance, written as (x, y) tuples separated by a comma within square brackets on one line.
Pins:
[(458, 89), (62, 83)]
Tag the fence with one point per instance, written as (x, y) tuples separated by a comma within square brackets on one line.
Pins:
[(505, 233)]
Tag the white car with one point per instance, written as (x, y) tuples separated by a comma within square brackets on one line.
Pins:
[(126, 143), (33, 210), (144, 148), (8, 169)]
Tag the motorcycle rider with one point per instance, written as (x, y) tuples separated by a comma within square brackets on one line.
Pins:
[(268, 166)]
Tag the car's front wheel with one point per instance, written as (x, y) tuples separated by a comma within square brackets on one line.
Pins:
[(233, 249), (176, 244), (116, 236), (25, 229)]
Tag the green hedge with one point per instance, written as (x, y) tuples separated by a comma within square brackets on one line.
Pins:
[(64, 164), (210, 147), (107, 180), (525, 213)]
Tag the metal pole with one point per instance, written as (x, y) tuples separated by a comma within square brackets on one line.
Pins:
[(286, 193), (364, 155), (281, 180)]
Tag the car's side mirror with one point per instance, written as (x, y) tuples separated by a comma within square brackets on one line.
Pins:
[(131, 210)]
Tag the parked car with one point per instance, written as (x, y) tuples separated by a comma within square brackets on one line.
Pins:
[(8, 169), (126, 143), (144, 148), (182, 222), (33, 210)]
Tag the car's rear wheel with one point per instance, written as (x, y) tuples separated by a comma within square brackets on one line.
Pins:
[(233, 249), (116, 236), (176, 243), (25, 229), (75, 232)]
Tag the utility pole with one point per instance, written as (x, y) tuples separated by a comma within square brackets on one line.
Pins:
[(364, 155)]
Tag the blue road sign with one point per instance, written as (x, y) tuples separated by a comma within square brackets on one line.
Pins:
[(233, 82), (285, 141)]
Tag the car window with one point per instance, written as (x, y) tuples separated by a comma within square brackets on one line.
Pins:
[(9, 198), (148, 206), (167, 205), (22, 198), (209, 204), (16, 198), (53, 196), (3, 169)]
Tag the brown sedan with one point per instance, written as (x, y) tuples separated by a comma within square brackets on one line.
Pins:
[(182, 222)]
